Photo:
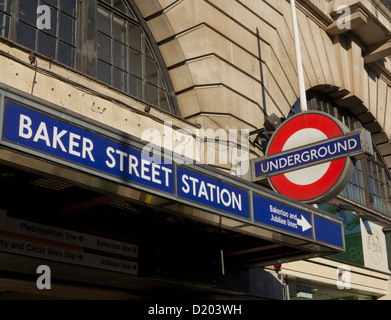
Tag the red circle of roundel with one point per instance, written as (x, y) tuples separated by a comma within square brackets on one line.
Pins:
[(330, 128)]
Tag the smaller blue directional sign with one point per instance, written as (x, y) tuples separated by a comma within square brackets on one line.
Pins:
[(283, 217)]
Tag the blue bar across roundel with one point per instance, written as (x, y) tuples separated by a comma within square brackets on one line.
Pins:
[(278, 164)]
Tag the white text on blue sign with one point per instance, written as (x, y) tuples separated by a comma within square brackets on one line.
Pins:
[(40, 132), (322, 152)]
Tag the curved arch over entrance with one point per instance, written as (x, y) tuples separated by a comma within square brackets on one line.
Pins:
[(356, 107)]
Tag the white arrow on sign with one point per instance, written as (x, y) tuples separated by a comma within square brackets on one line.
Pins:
[(305, 225)]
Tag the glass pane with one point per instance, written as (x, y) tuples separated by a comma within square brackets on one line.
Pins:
[(356, 194), (380, 208), (66, 54), (119, 79), (371, 185), (373, 170), (148, 51), (104, 72), (104, 21), (350, 191), (4, 25), (46, 45), (119, 29), (134, 37), (164, 105), (151, 94), (161, 83), (362, 198), (5, 5), (118, 4), (67, 29), (135, 87), (53, 3), (354, 180), (151, 71), (135, 63), (69, 7), (28, 11), (104, 47), (52, 27), (120, 55), (377, 189), (26, 35), (359, 178), (380, 205)]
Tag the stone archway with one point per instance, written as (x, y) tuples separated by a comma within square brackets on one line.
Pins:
[(233, 62)]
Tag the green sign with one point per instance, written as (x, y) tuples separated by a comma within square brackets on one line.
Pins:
[(352, 232)]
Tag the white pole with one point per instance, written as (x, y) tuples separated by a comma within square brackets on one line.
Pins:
[(300, 73)]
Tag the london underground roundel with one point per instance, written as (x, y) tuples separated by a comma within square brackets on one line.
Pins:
[(312, 151)]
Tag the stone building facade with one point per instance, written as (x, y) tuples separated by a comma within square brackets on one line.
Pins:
[(209, 74)]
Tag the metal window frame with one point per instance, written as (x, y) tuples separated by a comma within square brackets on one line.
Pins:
[(14, 14), (148, 40), (85, 47)]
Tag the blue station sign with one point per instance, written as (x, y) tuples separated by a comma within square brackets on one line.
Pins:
[(212, 193), (57, 138), (64, 139)]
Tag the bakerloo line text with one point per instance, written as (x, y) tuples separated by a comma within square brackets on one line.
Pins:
[(141, 167)]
